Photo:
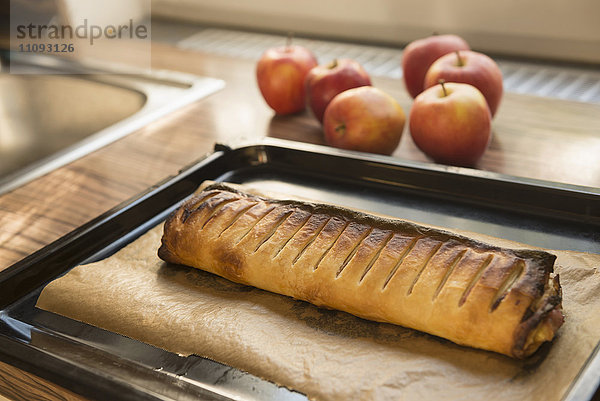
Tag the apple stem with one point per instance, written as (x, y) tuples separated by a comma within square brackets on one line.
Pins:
[(459, 59), (341, 128), (442, 82), (288, 40), (333, 64)]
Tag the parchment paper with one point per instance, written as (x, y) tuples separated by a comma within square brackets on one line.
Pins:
[(325, 354)]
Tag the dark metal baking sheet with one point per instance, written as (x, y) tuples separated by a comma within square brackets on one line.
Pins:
[(102, 365)]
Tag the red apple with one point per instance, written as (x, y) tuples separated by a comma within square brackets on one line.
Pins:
[(365, 119), (324, 82), (280, 74), (451, 123), (469, 67), (418, 56)]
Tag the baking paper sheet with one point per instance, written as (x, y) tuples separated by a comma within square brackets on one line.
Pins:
[(325, 354)]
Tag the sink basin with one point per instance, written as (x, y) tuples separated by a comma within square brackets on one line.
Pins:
[(43, 114), (49, 119)]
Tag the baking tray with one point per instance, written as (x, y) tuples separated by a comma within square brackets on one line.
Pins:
[(102, 365)]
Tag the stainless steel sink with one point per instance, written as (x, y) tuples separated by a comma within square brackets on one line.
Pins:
[(48, 120)]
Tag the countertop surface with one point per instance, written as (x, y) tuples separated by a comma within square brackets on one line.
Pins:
[(533, 137)]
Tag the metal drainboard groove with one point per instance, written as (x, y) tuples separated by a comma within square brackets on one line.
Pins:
[(592, 94), (537, 79), (533, 82)]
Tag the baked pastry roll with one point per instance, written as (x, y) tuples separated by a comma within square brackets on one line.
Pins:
[(377, 268)]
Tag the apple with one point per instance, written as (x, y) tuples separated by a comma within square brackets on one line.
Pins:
[(280, 74), (469, 67), (324, 82), (364, 119), (451, 123), (418, 56)]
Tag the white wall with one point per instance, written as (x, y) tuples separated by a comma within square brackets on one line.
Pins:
[(559, 29), (105, 12)]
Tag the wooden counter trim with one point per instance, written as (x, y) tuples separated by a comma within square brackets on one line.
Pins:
[(16, 384)]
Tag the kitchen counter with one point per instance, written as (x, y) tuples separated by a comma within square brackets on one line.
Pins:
[(534, 137)]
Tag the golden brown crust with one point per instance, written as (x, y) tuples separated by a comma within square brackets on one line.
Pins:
[(378, 268)]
